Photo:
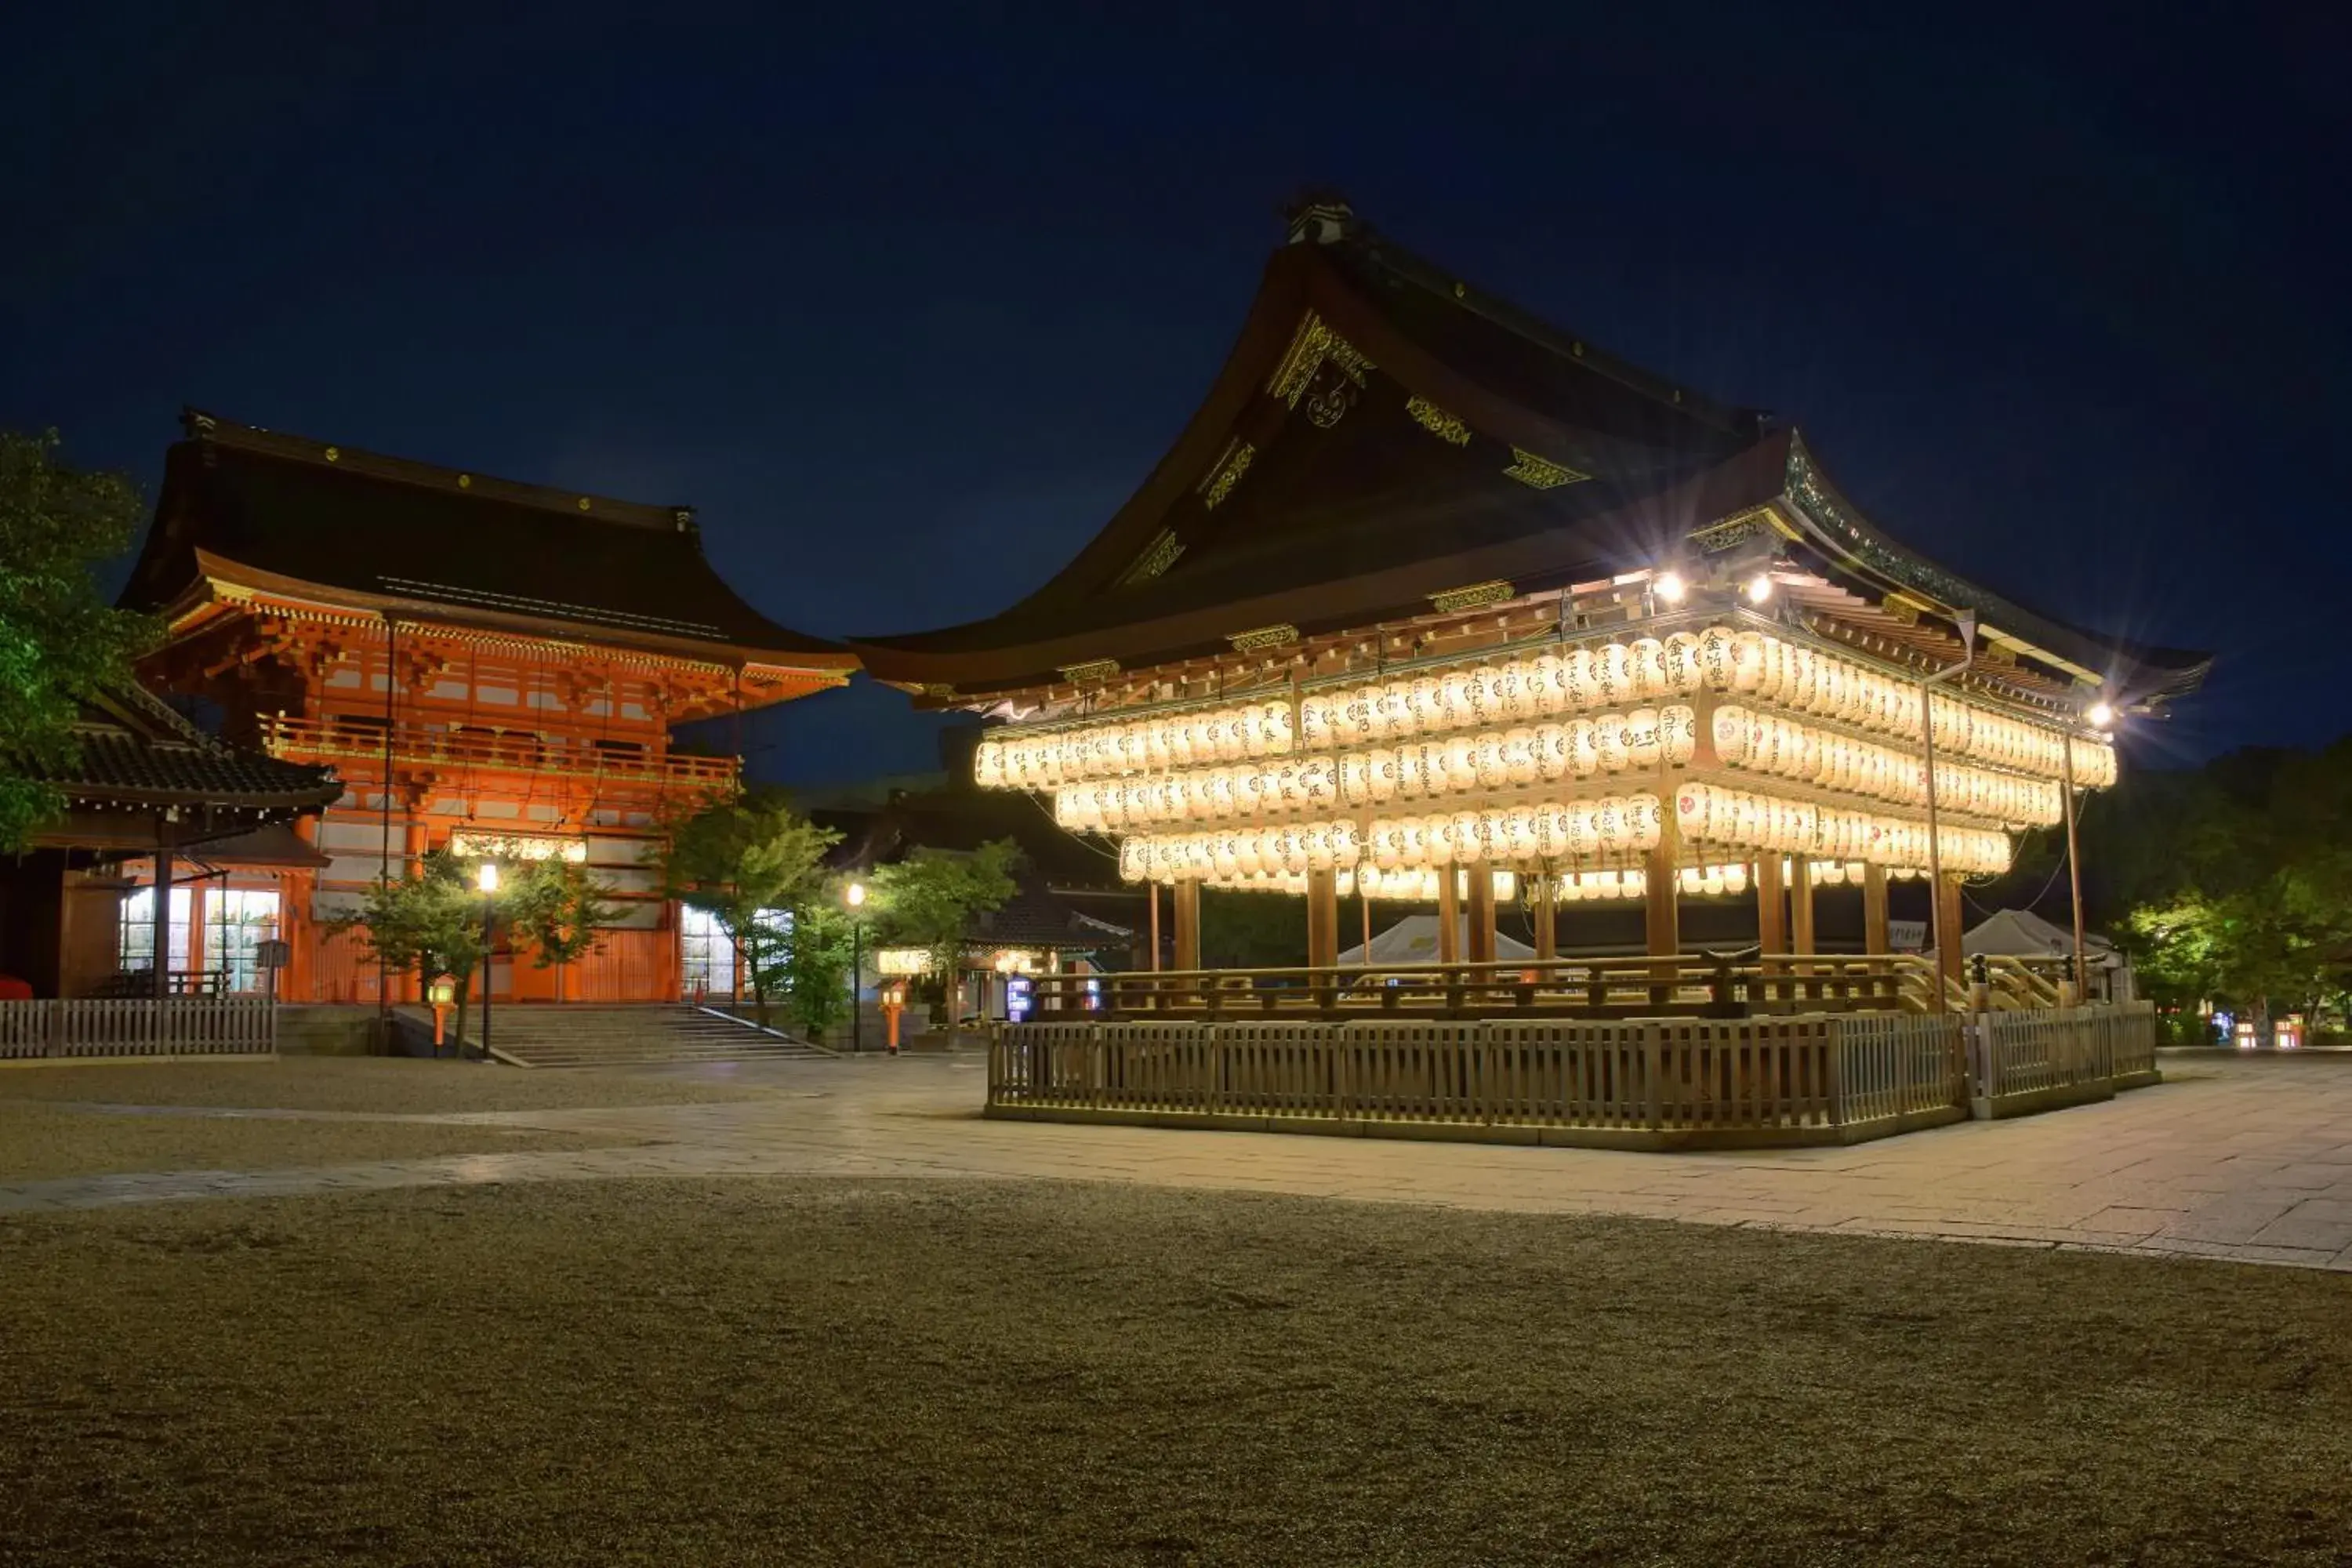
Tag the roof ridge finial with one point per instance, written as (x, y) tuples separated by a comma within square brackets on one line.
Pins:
[(1319, 215)]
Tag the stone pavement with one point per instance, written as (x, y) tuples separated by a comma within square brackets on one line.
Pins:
[(2243, 1159)]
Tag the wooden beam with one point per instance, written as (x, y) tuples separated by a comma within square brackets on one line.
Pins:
[(1873, 910), (1322, 918), (1771, 906), (1480, 942), (1187, 911), (1800, 905)]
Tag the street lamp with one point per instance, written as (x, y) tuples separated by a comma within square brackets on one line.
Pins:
[(854, 897), (486, 875)]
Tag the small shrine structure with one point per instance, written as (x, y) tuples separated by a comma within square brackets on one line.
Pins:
[(1431, 600)]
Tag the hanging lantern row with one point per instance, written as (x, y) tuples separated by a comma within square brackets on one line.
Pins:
[(1714, 881), (1711, 814), (1418, 769), (1419, 887), (1765, 743), (1790, 675)]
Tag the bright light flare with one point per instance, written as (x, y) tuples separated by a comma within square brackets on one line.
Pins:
[(486, 875), (1670, 586), (2101, 714), (1759, 587)]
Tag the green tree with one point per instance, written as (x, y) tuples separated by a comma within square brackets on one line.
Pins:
[(814, 979), (737, 859), (59, 642), (558, 909), (431, 924), (930, 899)]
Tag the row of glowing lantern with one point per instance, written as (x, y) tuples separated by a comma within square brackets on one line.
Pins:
[(1548, 753), (1611, 826), (1580, 680), (1743, 819), (1541, 754), (1404, 886), (1765, 743)]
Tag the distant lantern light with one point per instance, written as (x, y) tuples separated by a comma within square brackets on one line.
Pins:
[(1759, 587), (1671, 587), (486, 875), (2101, 714)]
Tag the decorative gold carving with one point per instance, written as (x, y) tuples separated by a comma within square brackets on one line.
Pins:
[(1231, 467), (1263, 636), (1314, 344), (1157, 557), (1472, 595), (1438, 422), (1755, 522), (1541, 473), (1092, 670)]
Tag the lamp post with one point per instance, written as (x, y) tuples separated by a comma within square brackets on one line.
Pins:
[(854, 897), (486, 877)]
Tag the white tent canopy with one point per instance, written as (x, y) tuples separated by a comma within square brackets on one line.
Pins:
[(2021, 933), (1413, 940)]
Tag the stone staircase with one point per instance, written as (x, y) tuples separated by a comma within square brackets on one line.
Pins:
[(573, 1035)]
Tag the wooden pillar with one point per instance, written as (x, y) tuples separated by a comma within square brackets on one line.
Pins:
[(1322, 918), (1479, 946), (1801, 904), (1187, 912), (1546, 919), (1449, 915), (1772, 907), (1151, 892), (1661, 893), (1948, 913), (1873, 910), (162, 976)]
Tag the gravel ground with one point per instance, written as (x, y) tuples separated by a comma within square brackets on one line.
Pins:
[(389, 1085), (803, 1371), (40, 1142)]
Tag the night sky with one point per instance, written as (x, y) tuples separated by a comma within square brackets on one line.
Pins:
[(908, 305)]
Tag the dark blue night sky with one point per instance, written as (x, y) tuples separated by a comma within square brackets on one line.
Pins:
[(907, 305)]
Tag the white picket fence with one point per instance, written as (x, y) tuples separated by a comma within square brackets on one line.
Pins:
[(173, 1026), (2024, 1062), (1647, 1083)]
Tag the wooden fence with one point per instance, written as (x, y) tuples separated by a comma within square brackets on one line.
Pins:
[(2024, 1062), (1653, 1083), (1643, 1083), (179, 1026)]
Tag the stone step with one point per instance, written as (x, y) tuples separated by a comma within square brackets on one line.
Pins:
[(572, 1035)]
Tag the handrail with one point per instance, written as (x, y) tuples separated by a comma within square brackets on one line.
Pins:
[(524, 749)]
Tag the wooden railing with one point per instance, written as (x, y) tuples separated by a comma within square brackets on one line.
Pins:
[(520, 749), (2027, 1061), (1655, 1082), (189, 1026), (1695, 985)]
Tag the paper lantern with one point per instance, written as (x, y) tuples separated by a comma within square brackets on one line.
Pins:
[(1461, 764), (1520, 765), (1486, 760), (1715, 657), (1680, 657), (1644, 743), (1546, 683), (1609, 741)]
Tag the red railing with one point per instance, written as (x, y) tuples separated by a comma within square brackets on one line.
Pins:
[(524, 751)]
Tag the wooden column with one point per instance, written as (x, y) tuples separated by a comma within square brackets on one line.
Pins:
[(1151, 891), (1322, 918), (162, 975), (1449, 915), (1479, 945), (1772, 907), (1947, 909), (1662, 890), (1801, 904), (1546, 919), (1186, 910), (1873, 910)]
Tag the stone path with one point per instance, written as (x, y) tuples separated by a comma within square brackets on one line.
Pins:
[(2243, 1159)]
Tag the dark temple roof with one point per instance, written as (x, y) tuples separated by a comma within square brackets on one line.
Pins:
[(285, 512), (1382, 433), (137, 753)]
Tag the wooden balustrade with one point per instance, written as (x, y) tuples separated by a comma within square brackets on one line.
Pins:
[(519, 749), (179, 1026), (1697, 984)]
